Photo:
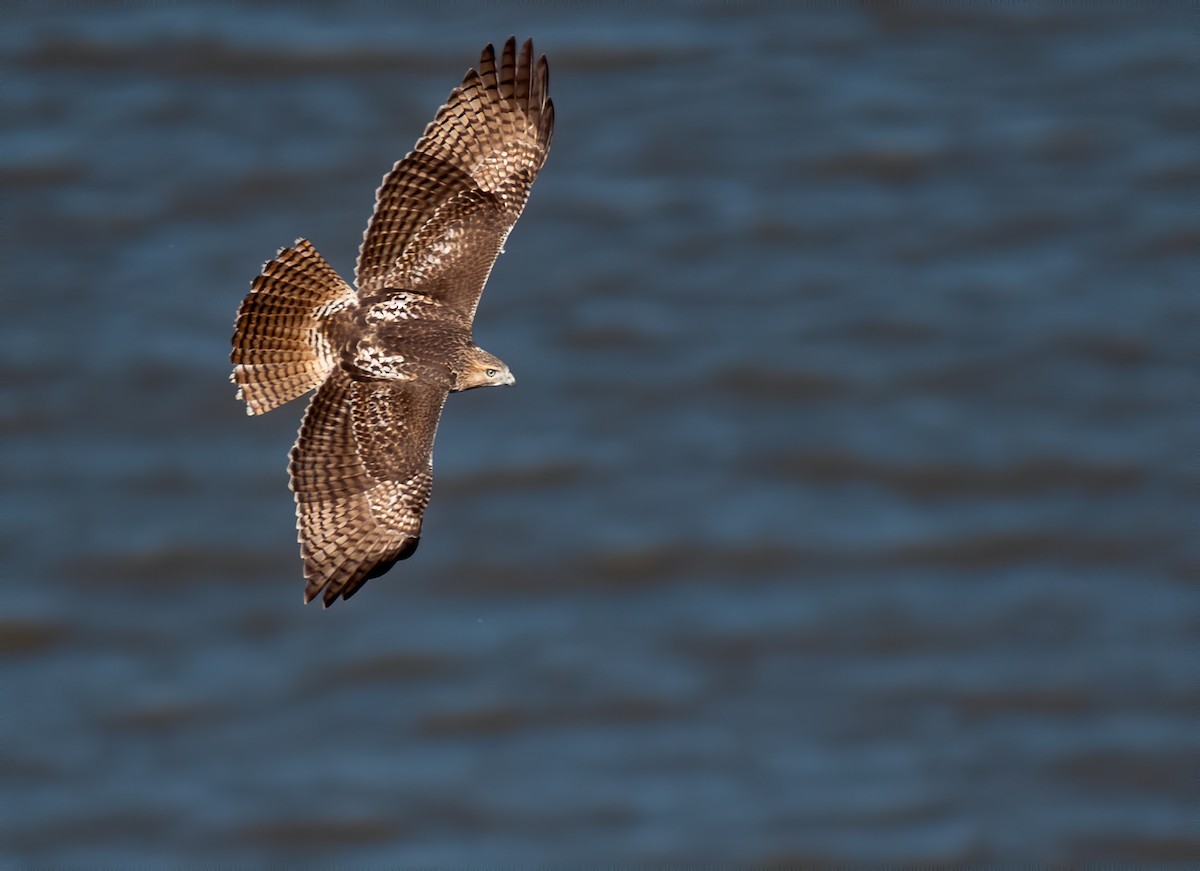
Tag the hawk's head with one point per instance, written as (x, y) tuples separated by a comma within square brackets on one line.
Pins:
[(482, 369)]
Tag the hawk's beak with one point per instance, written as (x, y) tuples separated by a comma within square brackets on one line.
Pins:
[(509, 379)]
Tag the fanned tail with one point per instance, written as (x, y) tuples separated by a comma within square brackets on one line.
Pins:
[(280, 346)]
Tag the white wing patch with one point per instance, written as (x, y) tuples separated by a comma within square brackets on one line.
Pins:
[(435, 254), (372, 360), (395, 307)]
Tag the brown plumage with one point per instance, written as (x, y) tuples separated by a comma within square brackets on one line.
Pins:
[(385, 358)]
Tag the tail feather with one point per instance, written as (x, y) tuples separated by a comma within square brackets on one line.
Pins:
[(280, 347)]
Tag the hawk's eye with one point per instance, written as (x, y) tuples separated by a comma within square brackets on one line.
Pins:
[(490, 373)]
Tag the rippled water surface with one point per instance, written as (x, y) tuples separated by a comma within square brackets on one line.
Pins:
[(841, 511)]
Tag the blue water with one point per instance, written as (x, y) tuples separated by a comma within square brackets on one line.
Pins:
[(843, 510)]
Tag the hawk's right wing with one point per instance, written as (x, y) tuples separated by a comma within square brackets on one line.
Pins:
[(361, 472), (444, 211)]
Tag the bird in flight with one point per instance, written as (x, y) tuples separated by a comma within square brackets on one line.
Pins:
[(385, 356)]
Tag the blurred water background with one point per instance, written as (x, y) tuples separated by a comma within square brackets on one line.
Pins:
[(843, 509)]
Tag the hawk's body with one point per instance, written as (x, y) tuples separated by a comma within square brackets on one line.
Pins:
[(385, 358)]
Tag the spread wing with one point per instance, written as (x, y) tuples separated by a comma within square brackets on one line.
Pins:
[(361, 475), (444, 211)]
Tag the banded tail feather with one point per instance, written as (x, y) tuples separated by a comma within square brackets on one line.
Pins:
[(280, 347)]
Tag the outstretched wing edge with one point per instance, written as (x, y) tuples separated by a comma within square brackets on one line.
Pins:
[(443, 212)]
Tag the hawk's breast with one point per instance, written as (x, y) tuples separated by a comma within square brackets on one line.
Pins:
[(407, 336)]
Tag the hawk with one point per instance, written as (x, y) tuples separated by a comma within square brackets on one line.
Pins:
[(385, 356)]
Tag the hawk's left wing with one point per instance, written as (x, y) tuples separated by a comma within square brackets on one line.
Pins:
[(361, 472), (444, 211)]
